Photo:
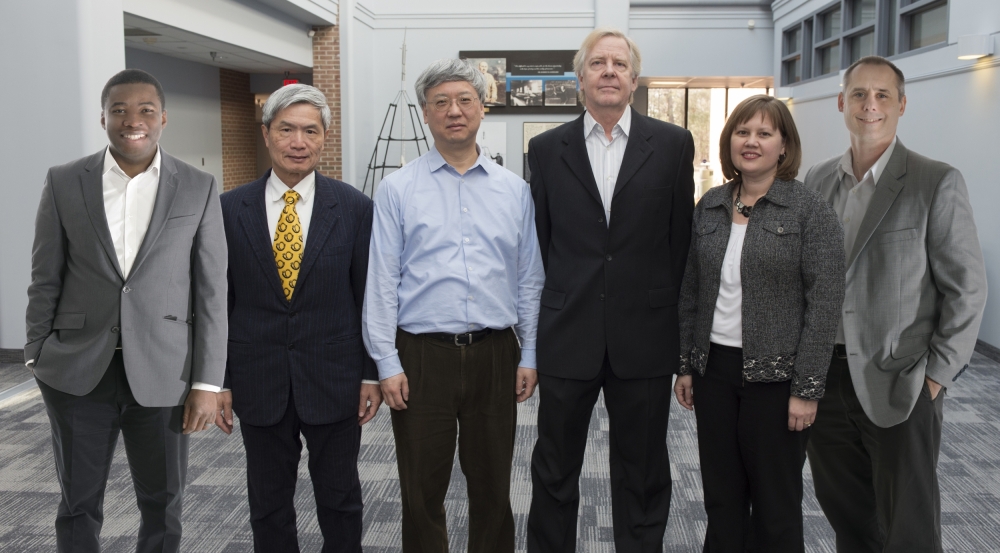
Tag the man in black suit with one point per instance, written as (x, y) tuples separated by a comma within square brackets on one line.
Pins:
[(298, 260), (614, 195)]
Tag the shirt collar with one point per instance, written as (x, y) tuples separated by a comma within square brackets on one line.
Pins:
[(436, 161), (111, 165), (276, 188), (590, 125), (846, 166)]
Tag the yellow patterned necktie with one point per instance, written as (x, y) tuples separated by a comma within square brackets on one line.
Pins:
[(288, 244)]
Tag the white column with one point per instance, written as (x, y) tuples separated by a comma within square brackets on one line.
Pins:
[(347, 105), (57, 55)]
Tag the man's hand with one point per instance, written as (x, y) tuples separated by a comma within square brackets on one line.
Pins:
[(527, 379), (224, 411), (396, 391), (371, 399), (933, 387), (684, 390), (801, 413), (199, 410)]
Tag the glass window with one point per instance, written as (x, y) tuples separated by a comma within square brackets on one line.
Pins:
[(667, 104), (829, 60), (830, 24), (792, 38), (929, 27), (862, 12), (861, 46), (793, 71)]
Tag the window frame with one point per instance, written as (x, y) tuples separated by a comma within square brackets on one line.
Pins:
[(891, 28)]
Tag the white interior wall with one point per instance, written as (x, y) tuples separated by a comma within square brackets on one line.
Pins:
[(194, 117), (951, 115), (53, 117)]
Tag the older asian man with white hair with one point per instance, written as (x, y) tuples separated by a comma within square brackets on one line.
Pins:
[(298, 259)]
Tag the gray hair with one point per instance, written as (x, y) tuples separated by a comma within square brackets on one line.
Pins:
[(296, 94), (448, 71)]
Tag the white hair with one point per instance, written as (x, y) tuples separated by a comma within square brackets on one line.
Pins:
[(296, 94), (448, 71)]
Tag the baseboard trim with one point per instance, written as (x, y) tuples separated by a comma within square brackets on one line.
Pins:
[(11, 356), (987, 350)]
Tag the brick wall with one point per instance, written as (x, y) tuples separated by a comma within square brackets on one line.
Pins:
[(239, 130), (326, 77)]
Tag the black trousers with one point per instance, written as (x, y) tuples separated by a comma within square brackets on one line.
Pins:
[(273, 454), (877, 486), (84, 434), (640, 467), (750, 461), (463, 393)]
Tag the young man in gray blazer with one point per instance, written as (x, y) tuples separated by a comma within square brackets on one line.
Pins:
[(126, 319), (916, 286)]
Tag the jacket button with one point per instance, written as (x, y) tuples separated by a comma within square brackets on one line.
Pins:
[(602, 297), (291, 346), (115, 329), (292, 314), (126, 289), (608, 257), (781, 229), (600, 219)]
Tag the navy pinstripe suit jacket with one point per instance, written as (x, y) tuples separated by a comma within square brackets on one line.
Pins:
[(309, 349)]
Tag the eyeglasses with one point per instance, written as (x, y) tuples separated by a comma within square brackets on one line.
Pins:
[(465, 103)]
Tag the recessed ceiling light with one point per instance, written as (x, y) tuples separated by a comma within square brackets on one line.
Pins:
[(667, 83)]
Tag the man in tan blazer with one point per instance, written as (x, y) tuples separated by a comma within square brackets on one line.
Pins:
[(916, 287)]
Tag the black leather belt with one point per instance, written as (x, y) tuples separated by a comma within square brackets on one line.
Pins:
[(464, 339), (840, 351)]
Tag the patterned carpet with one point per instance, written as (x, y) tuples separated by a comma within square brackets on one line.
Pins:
[(215, 515)]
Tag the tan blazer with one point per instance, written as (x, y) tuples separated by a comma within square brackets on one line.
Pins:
[(916, 282)]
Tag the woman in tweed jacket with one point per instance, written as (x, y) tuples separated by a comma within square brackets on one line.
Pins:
[(759, 307)]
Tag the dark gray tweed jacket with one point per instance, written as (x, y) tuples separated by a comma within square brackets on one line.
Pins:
[(792, 269)]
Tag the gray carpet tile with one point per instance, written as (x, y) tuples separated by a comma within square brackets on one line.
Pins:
[(215, 515), (12, 374)]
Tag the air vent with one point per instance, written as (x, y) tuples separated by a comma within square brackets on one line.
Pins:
[(135, 31)]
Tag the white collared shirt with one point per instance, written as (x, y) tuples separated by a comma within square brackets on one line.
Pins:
[(128, 205), (606, 156), (852, 199), (274, 202)]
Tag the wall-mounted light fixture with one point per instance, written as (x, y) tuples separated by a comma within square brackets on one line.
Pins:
[(783, 93), (973, 47)]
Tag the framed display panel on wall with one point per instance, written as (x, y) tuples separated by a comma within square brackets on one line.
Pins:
[(528, 81)]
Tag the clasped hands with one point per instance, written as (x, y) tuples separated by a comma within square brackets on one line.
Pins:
[(801, 412)]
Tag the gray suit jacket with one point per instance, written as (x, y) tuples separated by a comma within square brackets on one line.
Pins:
[(916, 282), (170, 312)]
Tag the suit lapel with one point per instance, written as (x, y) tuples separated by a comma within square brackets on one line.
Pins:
[(575, 156), (253, 220), (636, 152), (886, 190), (92, 183), (324, 217), (166, 191)]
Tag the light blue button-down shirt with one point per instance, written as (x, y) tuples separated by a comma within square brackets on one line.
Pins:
[(451, 253)]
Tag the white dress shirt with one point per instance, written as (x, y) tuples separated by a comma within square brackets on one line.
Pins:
[(606, 156), (274, 203), (128, 205), (727, 324), (852, 199)]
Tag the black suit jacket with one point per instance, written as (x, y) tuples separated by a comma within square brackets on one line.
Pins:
[(614, 288), (312, 345)]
